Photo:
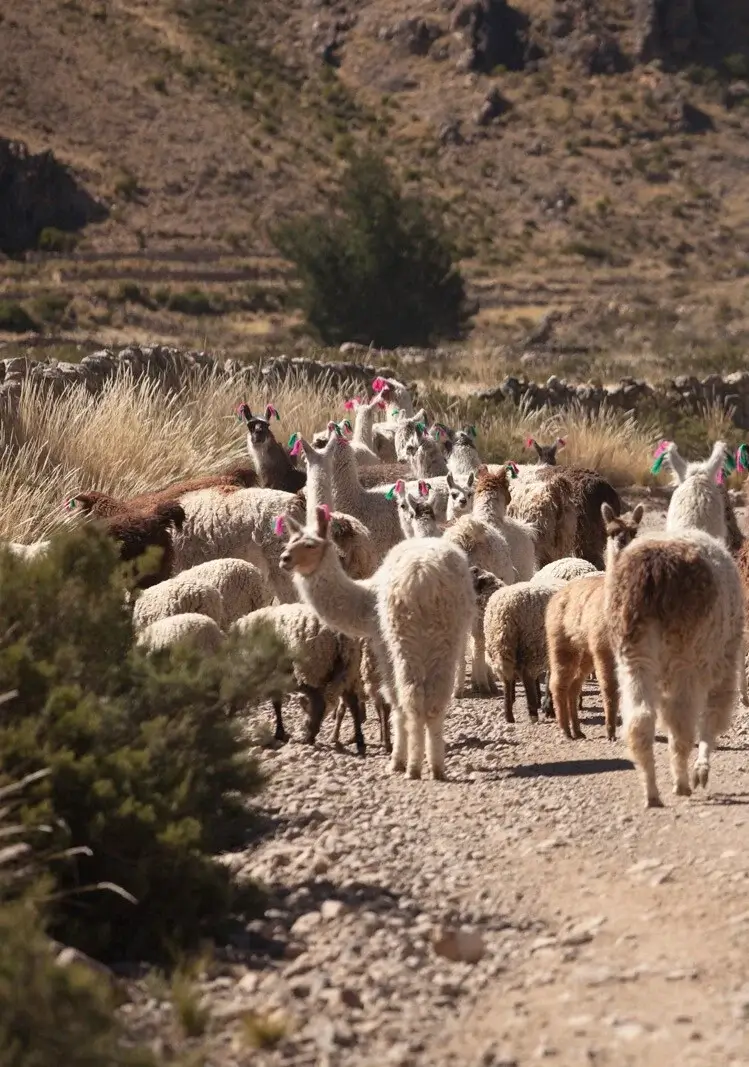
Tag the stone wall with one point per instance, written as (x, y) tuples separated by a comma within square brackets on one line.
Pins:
[(173, 367)]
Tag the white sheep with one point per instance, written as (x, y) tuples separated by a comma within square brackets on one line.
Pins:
[(676, 615), (325, 664), (567, 569), (416, 611), (191, 627), (223, 589), (698, 500)]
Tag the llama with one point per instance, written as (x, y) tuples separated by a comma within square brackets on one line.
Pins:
[(462, 456), (425, 454), (416, 513), (585, 491), (362, 440), (416, 611), (460, 496), (490, 506), (139, 532), (697, 501), (400, 407), (577, 635), (270, 459), (546, 455), (676, 613), (374, 508)]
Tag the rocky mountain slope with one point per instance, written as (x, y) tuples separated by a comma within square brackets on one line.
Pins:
[(591, 157)]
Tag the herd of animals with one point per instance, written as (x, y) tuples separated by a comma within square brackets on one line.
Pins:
[(382, 552)]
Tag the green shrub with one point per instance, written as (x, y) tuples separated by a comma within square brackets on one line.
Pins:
[(737, 65), (148, 765), (377, 267), (53, 240), (191, 302), (50, 308), (15, 319), (52, 1016)]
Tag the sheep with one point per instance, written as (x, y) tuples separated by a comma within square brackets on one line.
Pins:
[(136, 532), (460, 496), (191, 627), (485, 584), (567, 569), (676, 616), (35, 550), (325, 664), (462, 457), (697, 501), (103, 505), (577, 634), (416, 611), (224, 589), (490, 505), (515, 639), (271, 459)]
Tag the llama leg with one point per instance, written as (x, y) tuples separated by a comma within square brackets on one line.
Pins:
[(400, 742), (559, 689), (480, 682), (531, 695), (383, 714), (460, 674), (639, 691), (436, 746), (715, 718), (573, 707), (281, 734), (339, 713), (415, 727), (509, 687), (606, 675), (352, 699)]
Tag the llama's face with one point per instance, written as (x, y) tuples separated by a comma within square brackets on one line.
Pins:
[(492, 485), (460, 498), (303, 554), (259, 430), (421, 516), (621, 530), (461, 439), (484, 584)]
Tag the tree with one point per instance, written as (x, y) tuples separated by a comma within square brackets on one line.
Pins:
[(378, 267)]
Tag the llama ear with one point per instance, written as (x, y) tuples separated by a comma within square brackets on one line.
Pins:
[(322, 517), (447, 444), (676, 461), (471, 480), (286, 523), (638, 513), (607, 513), (244, 413), (412, 500), (560, 443), (271, 413), (450, 480), (530, 443), (482, 471), (537, 447)]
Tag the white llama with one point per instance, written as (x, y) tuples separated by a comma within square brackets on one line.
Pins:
[(697, 501), (416, 611)]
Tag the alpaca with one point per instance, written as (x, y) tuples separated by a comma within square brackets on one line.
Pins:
[(416, 610), (546, 455), (399, 405), (546, 506), (462, 457), (676, 615), (490, 505), (374, 508), (425, 454), (404, 430), (460, 496), (139, 532), (270, 459), (485, 584), (362, 440), (577, 635), (585, 492), (697, 501), (416, 513)]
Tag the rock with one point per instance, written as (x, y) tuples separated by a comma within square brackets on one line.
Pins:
[(305, 924), (496, 34), (734, 94), (332, 909), (665, 28), (600, 54), (684, 117), (414, 35), (459, 946)]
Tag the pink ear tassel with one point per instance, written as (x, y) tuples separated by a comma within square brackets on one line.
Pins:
[(423, 489), (400, 486), (296, 448), (378, 385), (326, 512), (381, 405), (720, 477), (662, 446), (353, 404), (279, 527), (529, 442)]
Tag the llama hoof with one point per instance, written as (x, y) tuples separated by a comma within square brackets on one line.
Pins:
[(482, 690), (308, 739), (611, 735), (550, 714), (567, 732), (413, 772), (389, 750), (397, 766), (682, 789), (654, 802), (700, 775), (578, 735), (438, 773), (509, 717), (281, 736), (361, 750), (533, 718)]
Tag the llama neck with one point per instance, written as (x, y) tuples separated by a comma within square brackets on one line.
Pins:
[(346, 487), (319, 488), (268, 458), (429, 461), (489, 509), (363, 423), (342, 603)]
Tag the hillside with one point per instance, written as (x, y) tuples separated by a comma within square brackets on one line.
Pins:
[(592, 159)]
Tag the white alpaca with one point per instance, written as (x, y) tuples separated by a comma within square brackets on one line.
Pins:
[(424, 454), (416, 611), (460, 496), (697, 501), (490, 505), (373, 507), (399, 406), (676, 614), (416, 513), (362, 440), (462, 455)]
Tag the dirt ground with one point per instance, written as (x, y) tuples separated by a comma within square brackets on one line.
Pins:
[(613, 936)]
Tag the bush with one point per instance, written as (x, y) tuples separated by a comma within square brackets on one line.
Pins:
[(377, 267), (191, 302), (15, 319), (52, 1015), (147, 762), (53, 240)]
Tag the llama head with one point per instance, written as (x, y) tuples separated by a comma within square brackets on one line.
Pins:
[(621, 530), (465, 438), (460, 496), (546, 455), (484, 584), (307, 544), (258, 427), (405, 430), (719, 462), (493, 485)]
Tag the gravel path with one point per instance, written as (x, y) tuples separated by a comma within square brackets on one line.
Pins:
[(609, 935)]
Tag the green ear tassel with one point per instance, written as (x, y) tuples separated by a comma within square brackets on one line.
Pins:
[(390, 495), (730, 464), (655, 469), (293, 439)]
